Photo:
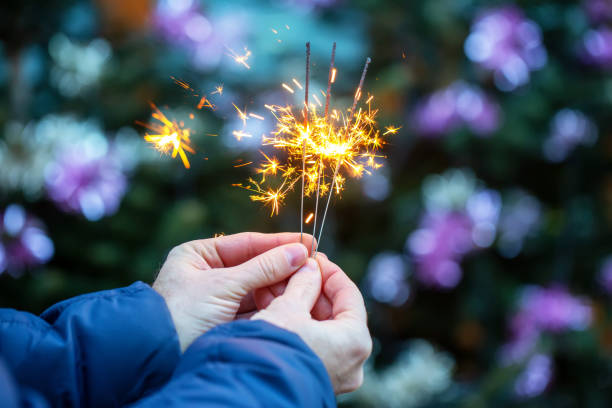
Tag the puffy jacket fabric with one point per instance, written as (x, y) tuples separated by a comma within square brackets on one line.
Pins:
[(119, 347)]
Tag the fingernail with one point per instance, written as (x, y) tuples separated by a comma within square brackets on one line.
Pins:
[(296, 254)]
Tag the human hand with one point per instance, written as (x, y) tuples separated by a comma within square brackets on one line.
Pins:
[(208, 282), (343, 341)]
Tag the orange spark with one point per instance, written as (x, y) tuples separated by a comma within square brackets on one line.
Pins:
[(241, 114), (239, 134), (218, 90), (390, 130), (182, 83), (287, 87), (243, 164), (295, 81), (169, 135), (204, 102), (241, 59), (256, 116)]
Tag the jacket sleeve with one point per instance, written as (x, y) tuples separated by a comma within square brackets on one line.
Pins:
[(97, 350), (246, 364)]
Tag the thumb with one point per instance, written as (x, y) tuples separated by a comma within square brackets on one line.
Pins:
[(270, 267), (304, 287)]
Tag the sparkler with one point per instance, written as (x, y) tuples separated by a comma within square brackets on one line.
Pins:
[(172, 137), (169, 135), (320, 149)]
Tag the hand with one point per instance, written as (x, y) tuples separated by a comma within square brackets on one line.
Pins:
[(342, 342), (209, 282)]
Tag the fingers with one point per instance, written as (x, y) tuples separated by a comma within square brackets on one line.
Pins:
[(304, 287), (264, 296), (232, 250), (344, 296), (247, 304), (322, 309), (270, 267)]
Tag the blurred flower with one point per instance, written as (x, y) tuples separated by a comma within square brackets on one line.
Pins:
[(86, 181), (541, 310), (73, 159), (597, 47), (438, 246), (520, 218), (504, 41), (569, 128), (483, 208), (460, 218), (24, 156), (598, 10), (605, 274), (183, 23), (77, 67), (551, 309), (535, 377), (418, 374), (376, 186), (386, 279), (448, 191), (457, 105), (23, 241)]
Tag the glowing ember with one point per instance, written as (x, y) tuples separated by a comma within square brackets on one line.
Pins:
[(241, 59), (218, 90), (169, 136), (336, 146)]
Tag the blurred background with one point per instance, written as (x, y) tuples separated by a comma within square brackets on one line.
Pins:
[(483, 246)]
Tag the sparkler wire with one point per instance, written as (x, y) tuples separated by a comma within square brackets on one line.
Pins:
[(331, 190), (320, 168), (304, 143)]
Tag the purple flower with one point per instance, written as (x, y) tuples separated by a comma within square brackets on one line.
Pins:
[(23, 241), (543, 310), (596, 48), (598, 10), (605, 274), (386, 279), (535, 377), (502, 40), (450, 108), (551, 309), (183, 23), (86, 179), (439, 245), (569, 129)]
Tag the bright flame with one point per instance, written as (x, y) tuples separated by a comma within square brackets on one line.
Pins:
[(169, 135), (241, 59)]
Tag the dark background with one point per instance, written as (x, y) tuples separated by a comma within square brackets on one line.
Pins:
[(98, 64)]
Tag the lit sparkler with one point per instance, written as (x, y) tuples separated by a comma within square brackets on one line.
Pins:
[(322, 149), (169, 136)]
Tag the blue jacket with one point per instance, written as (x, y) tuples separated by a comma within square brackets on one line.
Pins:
[(119, 347)]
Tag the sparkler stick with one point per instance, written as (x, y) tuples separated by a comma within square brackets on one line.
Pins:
[(331, 190), (304, 142), (320, 165)]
